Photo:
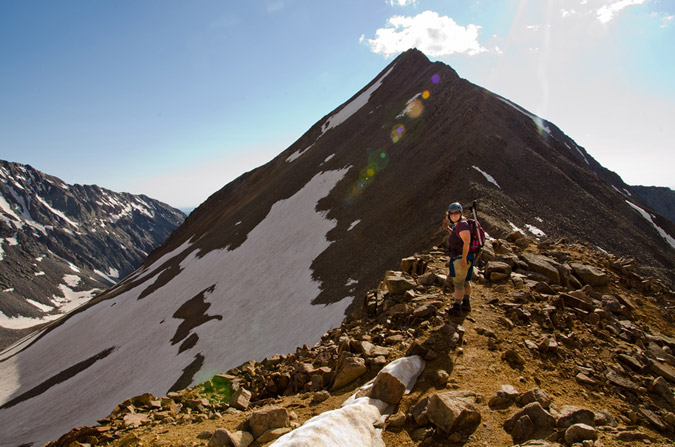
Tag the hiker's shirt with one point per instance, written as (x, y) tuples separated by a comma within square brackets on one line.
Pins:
[(454, 241)]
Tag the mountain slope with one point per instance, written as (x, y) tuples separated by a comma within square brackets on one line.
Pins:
[(659, 198), (524, 340), (275, 258), (60, 244)]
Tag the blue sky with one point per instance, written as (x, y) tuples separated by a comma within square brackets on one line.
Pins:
[(174, 99)]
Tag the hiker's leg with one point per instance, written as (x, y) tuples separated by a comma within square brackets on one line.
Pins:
[(459, 282)]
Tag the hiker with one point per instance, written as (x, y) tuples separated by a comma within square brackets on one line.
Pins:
[(461, 261)]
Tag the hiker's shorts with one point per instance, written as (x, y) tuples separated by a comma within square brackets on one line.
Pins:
[(461, 275)]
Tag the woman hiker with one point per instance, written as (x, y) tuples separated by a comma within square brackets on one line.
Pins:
[(461, 261)]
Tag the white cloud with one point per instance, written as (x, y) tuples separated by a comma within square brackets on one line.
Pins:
[(665, 21), (402, 2), (607, 12), (434, 35)]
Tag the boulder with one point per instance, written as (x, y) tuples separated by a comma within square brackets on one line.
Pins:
[(543, 265), (621, 381), (224, 438), (240, 399), (523, 429), (268, 418), (580, 433), (419, 412), (605, 418), (424, 311), (220, 438), (590, 275), (350, 369), (502, 269), (661, 369), (660, 387), (543, 421), (451, 413), (570, 415), (132, 420), (505, 397), (387, 388), (398, 282), (577, 302), (534, 395)]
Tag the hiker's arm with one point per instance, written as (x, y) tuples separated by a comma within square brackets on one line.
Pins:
[(466, 238)]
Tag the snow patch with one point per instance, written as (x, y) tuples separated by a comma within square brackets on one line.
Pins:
[(329, 158), (72, 280), (42, 307), (353, 106), (354, 423), (660, 230), (355, 223), (295, 155), (534, 230), (487, 176), (23, 323), (104, 276)]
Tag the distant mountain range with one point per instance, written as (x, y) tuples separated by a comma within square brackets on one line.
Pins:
[(62, 244), (278, 256)]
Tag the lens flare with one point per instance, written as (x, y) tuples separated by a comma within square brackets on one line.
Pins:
[(435, 79), (426, 94), (415, 108), (397, 133)]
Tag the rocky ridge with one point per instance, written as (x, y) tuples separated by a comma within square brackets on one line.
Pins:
[(565, 345), (60, 243)]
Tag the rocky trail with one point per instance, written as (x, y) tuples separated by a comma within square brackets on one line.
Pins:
[(564, 345)]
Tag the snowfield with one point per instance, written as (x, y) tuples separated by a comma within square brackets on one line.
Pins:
[(251, 309)]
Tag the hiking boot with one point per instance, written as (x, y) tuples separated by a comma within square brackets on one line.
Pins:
[(456, 309), (466, 304)]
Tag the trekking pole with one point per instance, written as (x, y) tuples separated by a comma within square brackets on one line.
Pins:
[(475, 217)]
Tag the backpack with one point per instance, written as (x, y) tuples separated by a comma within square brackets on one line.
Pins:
[(477, 236)]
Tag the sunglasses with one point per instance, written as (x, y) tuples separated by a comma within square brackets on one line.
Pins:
[(455, 212)]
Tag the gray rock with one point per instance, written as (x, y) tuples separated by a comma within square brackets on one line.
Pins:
[(220, 438), (268, 418), (501, 268), (660, 387), (505, 397), (419, 412), (387, 388), (571, 415), (534, 395), (450, 413), (590, 275), (240, 399), (541, 418), (579, 433), (605, 418), (543, 265), (661, 369), (523, 429), (350, 369), (241, 438), (398, 282)]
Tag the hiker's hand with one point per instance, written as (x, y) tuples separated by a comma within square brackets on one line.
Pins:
[(463, 262), (446, 225)]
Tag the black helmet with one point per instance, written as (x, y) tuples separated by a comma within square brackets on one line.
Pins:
[(455, 207)]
